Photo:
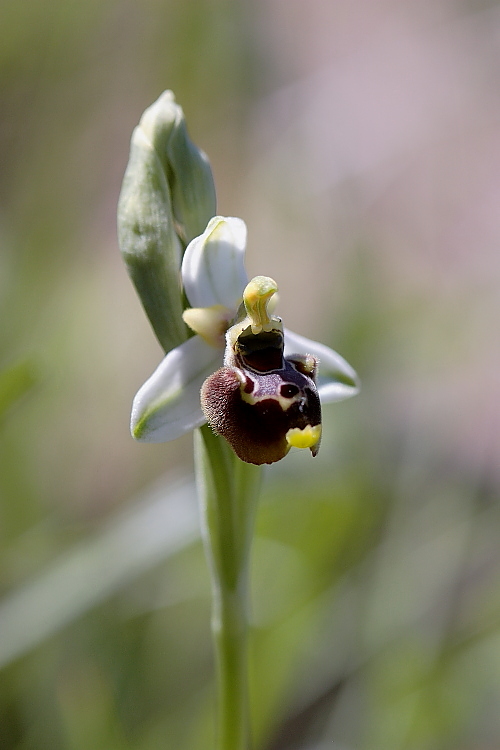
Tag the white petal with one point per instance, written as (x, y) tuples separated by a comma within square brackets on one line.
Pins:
[(336, 378), (168, 404), (213, 269)]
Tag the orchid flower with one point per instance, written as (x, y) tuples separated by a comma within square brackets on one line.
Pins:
[(261, 385)]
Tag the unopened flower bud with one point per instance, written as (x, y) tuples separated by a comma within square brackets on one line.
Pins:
[(167, 198), (189, 174)]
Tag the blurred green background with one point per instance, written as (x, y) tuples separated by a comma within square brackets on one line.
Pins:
[(361, 143)]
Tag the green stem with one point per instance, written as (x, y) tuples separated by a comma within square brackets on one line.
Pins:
[(228, 490)]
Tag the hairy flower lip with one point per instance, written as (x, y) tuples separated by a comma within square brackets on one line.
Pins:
[(213, 273)]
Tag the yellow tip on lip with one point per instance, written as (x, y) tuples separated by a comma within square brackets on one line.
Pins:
[(306, 438)]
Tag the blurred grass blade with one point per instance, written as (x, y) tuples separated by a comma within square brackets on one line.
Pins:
[(15, 381), (158, 526)]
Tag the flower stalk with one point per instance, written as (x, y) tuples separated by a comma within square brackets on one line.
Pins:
[(228, 490)]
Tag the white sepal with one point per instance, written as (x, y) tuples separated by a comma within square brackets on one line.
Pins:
[(336, 378), (213, 270), (168, 404)]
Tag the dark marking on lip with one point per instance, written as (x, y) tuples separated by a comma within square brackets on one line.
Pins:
[(289, 390)]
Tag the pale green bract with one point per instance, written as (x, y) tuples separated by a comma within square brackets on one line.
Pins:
[(213, 274), (167, 197)]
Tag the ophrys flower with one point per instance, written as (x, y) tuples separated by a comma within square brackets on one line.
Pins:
[(261, 384)]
